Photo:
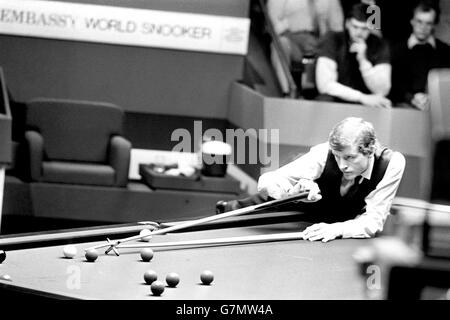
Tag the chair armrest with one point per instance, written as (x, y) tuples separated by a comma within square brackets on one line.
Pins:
[(119, 159), (35, 145)]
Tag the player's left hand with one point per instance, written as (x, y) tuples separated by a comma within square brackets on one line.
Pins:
[(323, 231)]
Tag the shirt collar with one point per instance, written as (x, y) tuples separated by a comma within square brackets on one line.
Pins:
[(368, 173), (413, 41)]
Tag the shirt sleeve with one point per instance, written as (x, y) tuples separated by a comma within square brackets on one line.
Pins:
[(309, 166), (327, 81), (377, 70), (377, 78), (378, 202)]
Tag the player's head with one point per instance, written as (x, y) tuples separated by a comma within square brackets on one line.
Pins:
[(357, 22), (424, 19), (353, 142)]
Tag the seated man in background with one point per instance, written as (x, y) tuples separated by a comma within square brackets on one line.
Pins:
[(299, 25), (354, 65), (413, 58), (351, 179)]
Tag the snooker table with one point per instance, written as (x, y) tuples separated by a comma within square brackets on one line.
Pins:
[(277, 270)]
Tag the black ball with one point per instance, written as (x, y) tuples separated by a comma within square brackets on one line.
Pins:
[(207, 277), (2, 256), (157, 288), (172, 279), (91, 255), (150, 276)]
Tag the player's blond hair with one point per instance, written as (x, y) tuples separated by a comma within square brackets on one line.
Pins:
[(354, 131)]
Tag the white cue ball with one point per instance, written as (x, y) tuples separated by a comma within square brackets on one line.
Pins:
[(70, 251), (145, 232)]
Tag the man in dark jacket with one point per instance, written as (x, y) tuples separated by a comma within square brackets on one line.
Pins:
[(414, 58)]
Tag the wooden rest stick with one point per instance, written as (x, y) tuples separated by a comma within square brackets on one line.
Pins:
[(246, 210), (218, 241)]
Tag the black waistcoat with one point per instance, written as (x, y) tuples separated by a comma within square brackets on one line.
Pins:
[(333, 207)]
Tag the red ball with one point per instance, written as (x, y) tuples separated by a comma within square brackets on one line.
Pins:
[(172, 279), (150, 276), (157, 288), (207, 277), (146, 254), (91, 255)]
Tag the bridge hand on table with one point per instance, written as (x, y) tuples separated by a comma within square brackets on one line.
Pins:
[(323, 231)]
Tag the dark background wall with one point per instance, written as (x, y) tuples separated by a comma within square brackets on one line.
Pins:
[(143, 80)]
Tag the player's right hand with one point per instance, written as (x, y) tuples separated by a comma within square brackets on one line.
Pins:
[(274, 191), (307, 185)]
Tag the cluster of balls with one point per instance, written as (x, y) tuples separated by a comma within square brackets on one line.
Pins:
[(172, 279)]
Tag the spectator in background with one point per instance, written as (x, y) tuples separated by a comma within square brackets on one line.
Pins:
[(299, 25), (394, 18), (413, 58), (354, 65)]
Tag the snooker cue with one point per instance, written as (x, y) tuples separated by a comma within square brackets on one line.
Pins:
[(219, 241), (246, 210)]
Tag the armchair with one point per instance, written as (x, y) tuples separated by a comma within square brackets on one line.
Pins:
[(76, 142)]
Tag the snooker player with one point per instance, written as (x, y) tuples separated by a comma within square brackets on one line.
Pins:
[(351, 179)]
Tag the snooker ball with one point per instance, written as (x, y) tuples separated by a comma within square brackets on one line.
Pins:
[(2, 256), (157, 288), (70, 251), (172, 279), (207, 277), (146, 254), (150, 276), (91, 255), (145, 232)]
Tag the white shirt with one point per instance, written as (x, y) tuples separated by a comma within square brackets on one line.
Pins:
[(413, 41), (378, 202), (377, 79)]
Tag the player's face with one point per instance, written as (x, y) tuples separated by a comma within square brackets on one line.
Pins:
[(423, 24), (357, 30), (351, 162)]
